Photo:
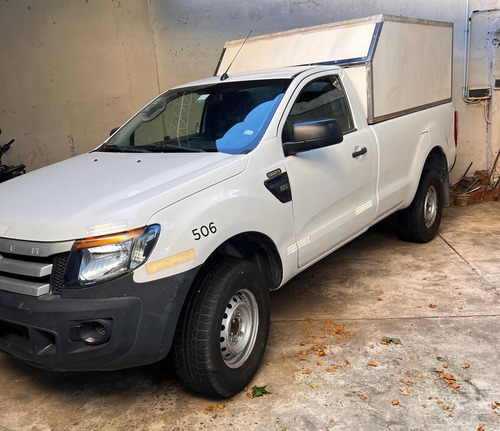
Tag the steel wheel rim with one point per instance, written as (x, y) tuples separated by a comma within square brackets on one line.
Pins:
[(239, 327), (430, 206)]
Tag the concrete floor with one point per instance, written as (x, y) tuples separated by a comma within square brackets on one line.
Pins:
[(374, 287)]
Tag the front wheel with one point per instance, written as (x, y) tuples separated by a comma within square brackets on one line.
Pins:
[(420, 221), (223, 333)]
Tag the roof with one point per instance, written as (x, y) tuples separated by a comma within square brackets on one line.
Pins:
[(280, 73)]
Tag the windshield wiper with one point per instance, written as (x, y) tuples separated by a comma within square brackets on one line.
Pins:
[(161, 147), (118, 149)]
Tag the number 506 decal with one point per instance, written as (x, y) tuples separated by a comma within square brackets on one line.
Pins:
[(204, 231)]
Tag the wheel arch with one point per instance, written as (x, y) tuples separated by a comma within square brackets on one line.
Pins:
[(436, 161), (256, 248)]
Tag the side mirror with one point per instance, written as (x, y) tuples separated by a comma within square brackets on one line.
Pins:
[(309, 135), (113, 130)]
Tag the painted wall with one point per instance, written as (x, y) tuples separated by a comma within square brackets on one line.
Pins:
[(71, 71), (77, 68)]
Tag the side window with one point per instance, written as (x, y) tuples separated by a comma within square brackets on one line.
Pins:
[(320, 99)]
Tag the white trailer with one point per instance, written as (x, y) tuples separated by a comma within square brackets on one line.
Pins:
[(398, 65)]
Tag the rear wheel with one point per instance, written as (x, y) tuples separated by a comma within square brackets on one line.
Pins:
[(420, 221), (223, 335)]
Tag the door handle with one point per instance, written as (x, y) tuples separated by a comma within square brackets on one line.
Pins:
[(359, 152)]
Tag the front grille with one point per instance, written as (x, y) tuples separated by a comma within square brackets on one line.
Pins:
[(32, 268)]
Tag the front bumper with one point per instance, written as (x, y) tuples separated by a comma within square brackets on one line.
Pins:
[(141, 318)]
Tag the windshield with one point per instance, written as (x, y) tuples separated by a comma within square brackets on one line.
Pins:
[(224, 117)]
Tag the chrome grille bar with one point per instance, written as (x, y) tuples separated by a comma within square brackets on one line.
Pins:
[(24, 287), (19, 267)]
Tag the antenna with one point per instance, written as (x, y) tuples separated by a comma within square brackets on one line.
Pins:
[(225, 75)]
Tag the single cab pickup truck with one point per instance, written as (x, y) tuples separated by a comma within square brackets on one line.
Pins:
[(172, 233)]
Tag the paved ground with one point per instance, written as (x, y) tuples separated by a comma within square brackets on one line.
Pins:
[(440, 300)]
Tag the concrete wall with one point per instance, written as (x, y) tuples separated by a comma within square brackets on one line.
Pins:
[(77, 68), (71, 71)]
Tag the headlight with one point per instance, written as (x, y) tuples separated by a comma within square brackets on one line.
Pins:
[(102, 258)]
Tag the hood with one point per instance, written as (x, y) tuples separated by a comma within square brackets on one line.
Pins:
[(101, 193)]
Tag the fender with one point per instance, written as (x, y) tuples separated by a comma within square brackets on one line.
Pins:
[(437, 154), (192, 229)]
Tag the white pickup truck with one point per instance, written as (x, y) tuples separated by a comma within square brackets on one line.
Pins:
[(172, 233)]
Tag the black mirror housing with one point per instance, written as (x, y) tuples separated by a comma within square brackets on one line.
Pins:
[(309, 135)]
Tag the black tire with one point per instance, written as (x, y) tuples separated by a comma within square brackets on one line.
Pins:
[(231, 297), (420, 221)]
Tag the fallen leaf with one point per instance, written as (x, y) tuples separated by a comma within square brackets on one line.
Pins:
[(439, 358), (302, 343), (432, 305), (371, 346), (363, 397), (411, 357), (249, 395), (391, 340), (258, 391), (304, 352), (220, 406), (420, 375), (210, 408), (347, 362), (424, 406), (306, 371), (314, 385), (372, 364), (399, 358), (380, 299), (439, 402), (460, 307), (321, 353), (405, 392), (269, 363), (445, 365), (395, 402), (466, 365), (319, 364), (481, 427), (384, 343), (439, 369)]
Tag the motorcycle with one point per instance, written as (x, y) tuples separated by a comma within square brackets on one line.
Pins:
[(9, 172)]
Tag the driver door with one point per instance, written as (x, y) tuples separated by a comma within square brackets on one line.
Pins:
[(333, 188)]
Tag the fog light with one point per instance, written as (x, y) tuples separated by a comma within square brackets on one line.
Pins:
[(94, 333)]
